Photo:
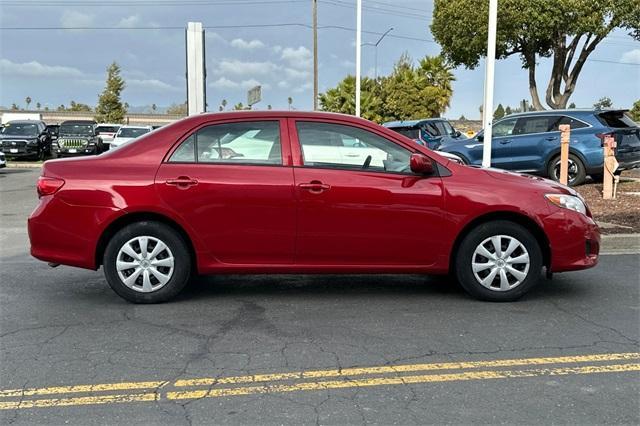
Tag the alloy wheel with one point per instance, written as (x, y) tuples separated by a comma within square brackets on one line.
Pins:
[(572, 171)]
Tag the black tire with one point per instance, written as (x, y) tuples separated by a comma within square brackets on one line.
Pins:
[(177, 247), (465, 257), (575, 179)]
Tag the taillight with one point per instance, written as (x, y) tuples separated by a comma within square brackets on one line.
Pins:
[(48, 185)]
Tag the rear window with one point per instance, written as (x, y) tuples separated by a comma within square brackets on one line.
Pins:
[(107, 129), (617, 119), (410, 132), (132, 132)]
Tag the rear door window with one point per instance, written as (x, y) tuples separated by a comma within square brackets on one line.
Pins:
[(528, 125), (556, 120), (616, 119)]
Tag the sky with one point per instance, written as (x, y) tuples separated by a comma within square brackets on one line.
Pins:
[(246, 46)]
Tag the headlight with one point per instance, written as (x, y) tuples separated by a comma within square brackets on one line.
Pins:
[(567, 202)]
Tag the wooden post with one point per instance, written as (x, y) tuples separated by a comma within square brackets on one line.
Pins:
[(610, 166), (565, 134)]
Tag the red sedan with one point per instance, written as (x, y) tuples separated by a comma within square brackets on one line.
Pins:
[(297, 192)]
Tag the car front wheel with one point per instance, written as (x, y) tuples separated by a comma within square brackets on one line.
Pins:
[(147, 262), (498, 261)]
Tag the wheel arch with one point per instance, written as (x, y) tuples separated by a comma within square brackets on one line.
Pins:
[(518, 218), (134, 217)]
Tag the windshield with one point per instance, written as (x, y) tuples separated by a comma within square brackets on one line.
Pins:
[(20, 129), (107, 129), (131, 133), (76, 129)]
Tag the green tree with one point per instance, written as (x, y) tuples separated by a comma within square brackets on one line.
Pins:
[(110, 108), (46, 108), (177, 109), (508, 110), (499, 112), (290, 102), (568, 31), (238, 107), (634, 112), (75, 106), (154, 107), (14, 107), (342, 98), (61, 108), (223, 105), (28, 101), (269, 107), (572, 105), (603, 102), (38, 106)]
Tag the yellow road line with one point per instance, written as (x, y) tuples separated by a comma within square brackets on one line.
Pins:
[(316, 374), (81, 388), (348, 372), (84, 400), (387, 381)]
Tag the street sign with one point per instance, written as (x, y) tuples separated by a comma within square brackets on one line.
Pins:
[(254, 95)]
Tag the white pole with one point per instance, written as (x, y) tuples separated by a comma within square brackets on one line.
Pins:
[(358, 51), (196, 72), (487, 109)]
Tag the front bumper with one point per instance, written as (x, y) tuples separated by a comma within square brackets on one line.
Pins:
[(21, 151), (574, 241), (68, 152)]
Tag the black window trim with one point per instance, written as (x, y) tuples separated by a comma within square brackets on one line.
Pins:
[(542, 115)]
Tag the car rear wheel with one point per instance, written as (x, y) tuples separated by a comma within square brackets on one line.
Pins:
[(147, 262), (576, 172), (498, 261)]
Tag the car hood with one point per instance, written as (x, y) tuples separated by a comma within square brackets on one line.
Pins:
[(541, 184), (17, 137)]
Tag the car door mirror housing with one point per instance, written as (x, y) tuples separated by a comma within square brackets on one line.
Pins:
[(421, 164), (480, 137)]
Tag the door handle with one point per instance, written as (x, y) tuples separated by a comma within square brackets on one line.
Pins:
[(182, 182), (315, 186), (504, 142), (352, 155), (551, 138)]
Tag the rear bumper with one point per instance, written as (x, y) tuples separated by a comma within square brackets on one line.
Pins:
[(574, 239), (65, 234)]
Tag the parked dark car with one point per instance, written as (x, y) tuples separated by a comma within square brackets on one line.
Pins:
[(78, 137), (53, 130), (430, 132), (26, 139), (530, 142)]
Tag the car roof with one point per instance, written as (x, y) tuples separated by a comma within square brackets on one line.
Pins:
[(109, 124), (24, 122), (566, 111), (133, 126), (411, 123), (79, 122)]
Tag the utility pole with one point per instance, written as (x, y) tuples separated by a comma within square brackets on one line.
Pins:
[(487, 118), (315, 54), (358, 52)]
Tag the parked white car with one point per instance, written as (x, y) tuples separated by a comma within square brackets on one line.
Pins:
[(107, 132), (128, 133), (3, 160)]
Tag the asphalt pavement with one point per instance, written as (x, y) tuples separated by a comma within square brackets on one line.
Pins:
[(379, 349)]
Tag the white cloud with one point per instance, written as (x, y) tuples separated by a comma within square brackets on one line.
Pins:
[(246, 45), (295, 74), (348, 64), (632, 56), (151, 84), (283, 84), (225, 83), (129, 22), (303, 88), (215, 37), (73, 18), (277, 48), (36, 69), (298, 58), (241, 68)]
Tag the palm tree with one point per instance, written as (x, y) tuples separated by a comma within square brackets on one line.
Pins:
[(38, 106), (223, 105), (439, 74), (28, 101), (290, 102), (154, 107)]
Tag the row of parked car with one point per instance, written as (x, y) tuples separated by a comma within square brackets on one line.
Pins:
[(35, 140), (530, 142)]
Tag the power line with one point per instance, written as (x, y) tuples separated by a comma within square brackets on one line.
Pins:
[(142, 3)]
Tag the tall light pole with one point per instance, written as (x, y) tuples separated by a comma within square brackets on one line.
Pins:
[(375, 45), (315, 55), (487, 109), (358, 52)]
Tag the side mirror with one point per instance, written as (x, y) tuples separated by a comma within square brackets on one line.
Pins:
[(457, 134), (480, 137), (421, 164)]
